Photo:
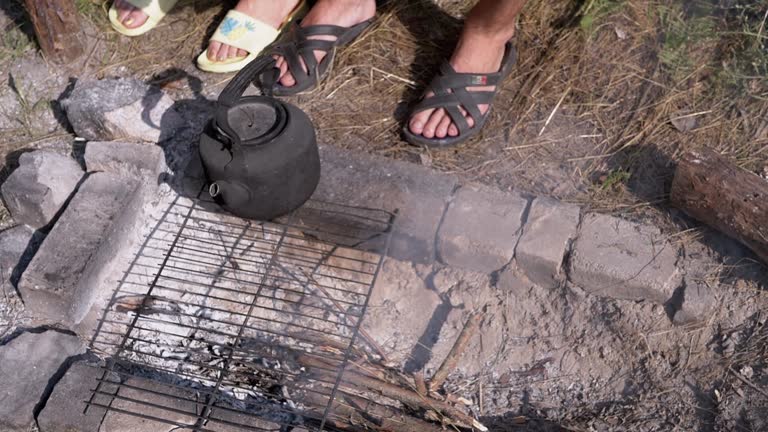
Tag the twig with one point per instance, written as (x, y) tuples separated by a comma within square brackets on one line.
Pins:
[(762, 26), (748, 382), (379, 350), (480, 397), (450, 362), (354, 380), (412, 398), (552, 114), (421, 385)]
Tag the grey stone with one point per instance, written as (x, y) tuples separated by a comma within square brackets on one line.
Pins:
[(178, 406), (619, 259), (481, 229), (124, 158), (38, 188), (28, 364), (14, 253), (121, 108), (419, 194), (548, 232), (65, 409), (31, 87), (61, 282), (697, 302)]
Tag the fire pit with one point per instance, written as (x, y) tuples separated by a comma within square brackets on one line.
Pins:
[(260, 319)]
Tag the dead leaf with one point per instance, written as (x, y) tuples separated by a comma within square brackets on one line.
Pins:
[(684, 123)]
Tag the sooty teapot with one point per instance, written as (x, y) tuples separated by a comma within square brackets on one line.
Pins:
[(259, 154)]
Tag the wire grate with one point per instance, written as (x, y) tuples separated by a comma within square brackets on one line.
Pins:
[(222, 324)]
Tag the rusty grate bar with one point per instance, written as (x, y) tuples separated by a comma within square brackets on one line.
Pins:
[(225, 324)]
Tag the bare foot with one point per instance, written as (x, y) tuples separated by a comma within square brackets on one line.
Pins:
[(129, 15), (473, 54), (268, 11), (344, 13)]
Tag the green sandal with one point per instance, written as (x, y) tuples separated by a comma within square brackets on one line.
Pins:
[(450, 93)]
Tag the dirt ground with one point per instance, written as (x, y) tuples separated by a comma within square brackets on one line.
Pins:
[(605, 98)]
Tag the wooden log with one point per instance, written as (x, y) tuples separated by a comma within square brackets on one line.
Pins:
[(452, 360), (712, 189), (57, 28), (352, 413)]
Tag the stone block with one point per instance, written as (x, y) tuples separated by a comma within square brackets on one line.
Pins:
[(16, 249), (697, 302), (420, 195), (38, 188), (121, 108), (127, 159), (28, 364), (511, 282), (547, 235), (65, 409), (160, 403), (619, 259), (480, 229), (61, 281)]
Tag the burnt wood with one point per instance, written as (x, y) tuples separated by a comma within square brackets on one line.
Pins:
[(57, 28), (712, 189)]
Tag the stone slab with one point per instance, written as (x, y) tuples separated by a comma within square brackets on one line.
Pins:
[(547, 236), (126, 159), (35, 192), (15, 245), (420, 195), (481, 228), (62, 280), (121, 108), (698, 302), (65, 409), (619, 259), (28, 365)]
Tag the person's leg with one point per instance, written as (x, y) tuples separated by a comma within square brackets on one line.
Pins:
[(344, 13), (488, 27)]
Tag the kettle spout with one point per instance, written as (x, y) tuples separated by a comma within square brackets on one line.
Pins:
[(231, 195)]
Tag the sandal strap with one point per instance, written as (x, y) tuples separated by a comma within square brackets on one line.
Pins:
[(301, 46), (244, 32), (450, 91), (154, 9)]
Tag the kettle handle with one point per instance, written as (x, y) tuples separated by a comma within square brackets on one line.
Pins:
[(235, 89), (264, 66), (259, 66)]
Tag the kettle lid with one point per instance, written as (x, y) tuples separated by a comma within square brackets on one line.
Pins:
[(253, 120)]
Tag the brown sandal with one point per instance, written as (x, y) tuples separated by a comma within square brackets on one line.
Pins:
[(450, 92)]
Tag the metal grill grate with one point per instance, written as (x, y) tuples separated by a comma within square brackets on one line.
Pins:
[(222, 324)]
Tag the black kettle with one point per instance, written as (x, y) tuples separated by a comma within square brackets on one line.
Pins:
[(260, 154)]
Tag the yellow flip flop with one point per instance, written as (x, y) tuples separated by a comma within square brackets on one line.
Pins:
[(246, 33), (154, 9)]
